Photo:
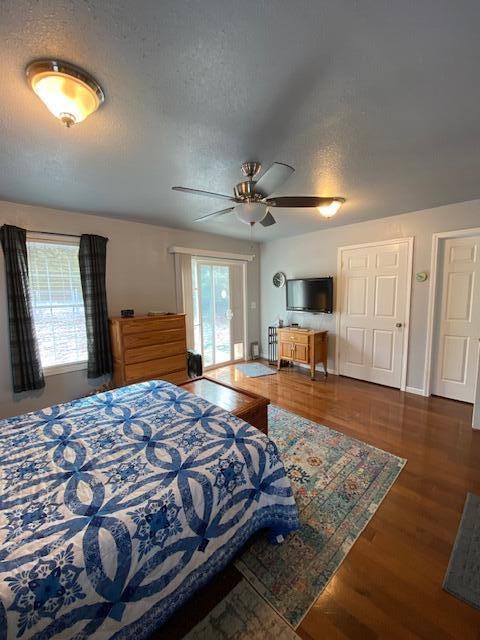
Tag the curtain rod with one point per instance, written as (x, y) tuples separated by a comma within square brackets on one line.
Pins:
[(54, 233)]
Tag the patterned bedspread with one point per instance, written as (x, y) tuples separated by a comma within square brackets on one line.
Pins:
[(115, 508)]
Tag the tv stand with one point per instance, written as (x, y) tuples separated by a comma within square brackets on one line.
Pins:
[(303, 346)]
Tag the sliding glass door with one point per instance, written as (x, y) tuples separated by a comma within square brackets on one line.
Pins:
[(218, 310)]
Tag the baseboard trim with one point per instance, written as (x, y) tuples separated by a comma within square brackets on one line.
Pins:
[(416, 391), (334, 372)]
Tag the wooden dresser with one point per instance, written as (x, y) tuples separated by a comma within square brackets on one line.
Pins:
[(149, 347), (304, 346)]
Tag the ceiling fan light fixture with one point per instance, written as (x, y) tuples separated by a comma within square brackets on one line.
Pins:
[(330, 207), (67, 91), (251, 212), (253, 199)]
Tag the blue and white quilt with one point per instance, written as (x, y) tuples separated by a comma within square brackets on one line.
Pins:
[(115, 508)]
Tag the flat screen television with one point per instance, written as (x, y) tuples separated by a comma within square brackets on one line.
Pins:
[(310, 294)]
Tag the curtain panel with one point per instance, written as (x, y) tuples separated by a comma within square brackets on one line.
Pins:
[(27, 373), (92, 260), (184, 293)]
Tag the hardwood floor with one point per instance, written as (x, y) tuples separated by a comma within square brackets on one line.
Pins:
[(389, 586)]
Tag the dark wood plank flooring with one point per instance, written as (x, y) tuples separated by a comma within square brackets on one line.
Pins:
[(389, 586)]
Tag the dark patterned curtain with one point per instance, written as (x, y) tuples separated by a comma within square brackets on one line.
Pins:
[(27, 371), (93, 258)]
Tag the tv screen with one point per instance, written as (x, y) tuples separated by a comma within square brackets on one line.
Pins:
[(310, 294)]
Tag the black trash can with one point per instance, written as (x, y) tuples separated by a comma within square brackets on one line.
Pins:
[(194, 364)]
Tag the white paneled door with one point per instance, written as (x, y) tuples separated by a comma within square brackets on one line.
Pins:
[(456, 361), (375, 282)]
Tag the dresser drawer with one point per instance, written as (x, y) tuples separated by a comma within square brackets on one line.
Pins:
[(294, 336), (154, 324), (135, 340), (154, 368), (141, 354)]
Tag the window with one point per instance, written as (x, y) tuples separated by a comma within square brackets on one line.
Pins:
[(57, 301)]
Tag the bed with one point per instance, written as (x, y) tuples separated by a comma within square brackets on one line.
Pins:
[(117, 507)]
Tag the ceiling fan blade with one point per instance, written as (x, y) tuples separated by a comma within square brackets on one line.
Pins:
[(208, 194), (296, 201), (273, 178), (213, 216), (268, 220)]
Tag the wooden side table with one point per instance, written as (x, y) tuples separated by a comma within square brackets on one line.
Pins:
[(303, 346), (246, 405)]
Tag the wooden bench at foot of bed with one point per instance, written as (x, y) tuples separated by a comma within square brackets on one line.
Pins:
[(244, 404)]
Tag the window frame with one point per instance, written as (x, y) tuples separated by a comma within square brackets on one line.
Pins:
[(78, 365), (197, 260)]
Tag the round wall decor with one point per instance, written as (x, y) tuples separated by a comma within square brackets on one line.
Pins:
[(279, 279)]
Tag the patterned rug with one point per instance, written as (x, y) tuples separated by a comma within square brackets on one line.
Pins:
[(255, 369), (338, 483), (242, 615), (462, 579)]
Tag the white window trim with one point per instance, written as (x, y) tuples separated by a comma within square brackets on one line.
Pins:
[(221, 255), (56, 369), (32, 236), (67, 367)]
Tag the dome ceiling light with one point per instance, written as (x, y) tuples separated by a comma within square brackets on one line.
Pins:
[(330, 207), (68, 92)]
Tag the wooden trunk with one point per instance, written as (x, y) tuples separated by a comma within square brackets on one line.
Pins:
[(247, 405)]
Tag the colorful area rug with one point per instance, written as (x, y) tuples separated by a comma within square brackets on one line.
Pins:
[(462, 579), (338, 483), (242, 615), (255, 369)]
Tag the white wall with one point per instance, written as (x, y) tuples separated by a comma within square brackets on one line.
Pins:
[(315, 254), (140, 276)]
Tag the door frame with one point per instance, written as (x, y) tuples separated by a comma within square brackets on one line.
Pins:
[(409, 240), (229, 261), (434, 297)]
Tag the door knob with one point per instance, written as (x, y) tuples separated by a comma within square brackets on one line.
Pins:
[(399, 325)]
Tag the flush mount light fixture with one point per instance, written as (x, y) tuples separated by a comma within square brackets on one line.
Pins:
[(68, 92), (330, 207)]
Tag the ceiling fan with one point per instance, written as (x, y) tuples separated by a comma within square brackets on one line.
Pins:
[(252, 201)]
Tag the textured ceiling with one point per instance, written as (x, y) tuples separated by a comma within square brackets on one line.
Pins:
[(377, 101)]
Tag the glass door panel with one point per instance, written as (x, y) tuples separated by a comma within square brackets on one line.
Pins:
[(223, 313), (215, 322), (205, 281)]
